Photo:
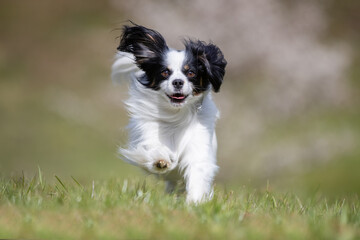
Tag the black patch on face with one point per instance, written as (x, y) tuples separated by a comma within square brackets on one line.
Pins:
[(149, 49), (153, 78), (209, 62), (200, 80)]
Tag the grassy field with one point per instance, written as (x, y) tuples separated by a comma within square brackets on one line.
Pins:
[(138, 209)]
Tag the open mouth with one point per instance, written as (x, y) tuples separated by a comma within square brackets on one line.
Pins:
[(177, 97)]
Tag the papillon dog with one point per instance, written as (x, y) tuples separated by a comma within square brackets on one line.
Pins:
[(172, 114)]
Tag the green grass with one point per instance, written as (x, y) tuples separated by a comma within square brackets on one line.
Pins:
[(139, 209)]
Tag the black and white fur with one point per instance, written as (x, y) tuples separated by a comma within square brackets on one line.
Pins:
[(172, 114)]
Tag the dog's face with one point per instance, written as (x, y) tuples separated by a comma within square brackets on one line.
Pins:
[(179, 76)]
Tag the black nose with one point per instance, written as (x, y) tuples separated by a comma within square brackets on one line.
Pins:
[(178, 83)]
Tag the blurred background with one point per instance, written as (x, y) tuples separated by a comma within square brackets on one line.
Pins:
[(290, 102)]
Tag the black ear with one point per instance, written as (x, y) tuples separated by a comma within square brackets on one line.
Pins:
[(211, 59), (145, 44)]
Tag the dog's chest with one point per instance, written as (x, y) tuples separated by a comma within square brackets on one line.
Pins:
[(175, 136)]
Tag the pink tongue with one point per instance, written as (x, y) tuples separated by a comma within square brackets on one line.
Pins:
[(178, 97)]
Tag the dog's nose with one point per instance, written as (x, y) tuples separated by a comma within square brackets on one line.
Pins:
[(178, 83)]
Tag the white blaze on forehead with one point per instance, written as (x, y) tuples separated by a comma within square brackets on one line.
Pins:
[(175, 61)]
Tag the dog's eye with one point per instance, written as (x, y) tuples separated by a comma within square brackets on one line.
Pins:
[(190, 74), (165, 73)]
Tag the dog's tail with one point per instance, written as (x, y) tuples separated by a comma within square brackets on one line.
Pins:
[(124, 68)]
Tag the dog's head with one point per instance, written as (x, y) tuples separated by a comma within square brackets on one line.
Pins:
[(179, 75)]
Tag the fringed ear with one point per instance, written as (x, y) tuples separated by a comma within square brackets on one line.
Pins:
[(217, 64), (212, 60), (145, 44)]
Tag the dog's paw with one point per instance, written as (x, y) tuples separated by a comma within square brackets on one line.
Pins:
[(162, 164), (155, 159), (163, 160)]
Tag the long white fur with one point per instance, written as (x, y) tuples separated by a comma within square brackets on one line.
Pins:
[(182, 136)]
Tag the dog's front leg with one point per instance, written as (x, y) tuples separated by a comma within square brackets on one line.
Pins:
[(146, 150), (200, 170), (199, 178)]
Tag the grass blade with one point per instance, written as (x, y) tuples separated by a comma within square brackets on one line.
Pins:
[(81, 186), (41, 179), (61, 183)]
